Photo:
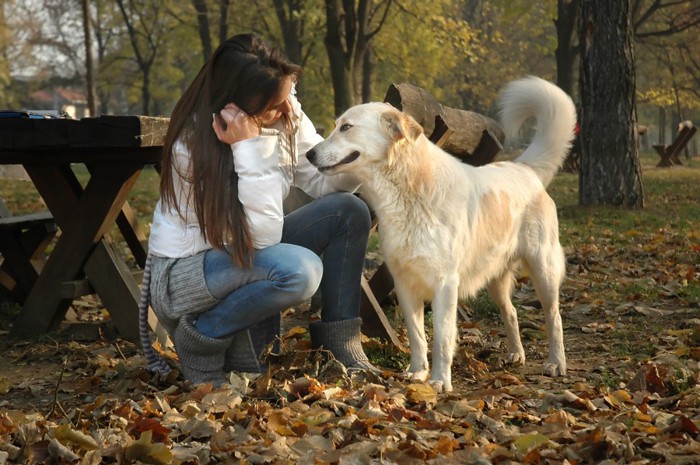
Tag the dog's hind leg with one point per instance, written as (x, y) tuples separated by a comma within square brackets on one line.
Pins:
[(500, 290), (548, 271), (444, 333), (412, 309)]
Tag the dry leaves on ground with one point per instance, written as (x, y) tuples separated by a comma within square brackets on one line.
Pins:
[(101, 407)]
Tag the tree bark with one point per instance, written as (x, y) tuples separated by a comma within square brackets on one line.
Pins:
[(200, 7), (89, 67), (341, 74), (223, 20), (610, 168), (292, 23), (566, 52)]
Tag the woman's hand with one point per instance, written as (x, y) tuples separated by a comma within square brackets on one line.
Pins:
[(233, 125)]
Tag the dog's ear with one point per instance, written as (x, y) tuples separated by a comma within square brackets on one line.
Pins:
[(401, 126)]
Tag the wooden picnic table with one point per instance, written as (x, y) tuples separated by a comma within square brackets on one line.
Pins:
[(115, 149)]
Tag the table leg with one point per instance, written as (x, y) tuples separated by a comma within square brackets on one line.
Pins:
[(84, 218), (119, 292), (132, 232)]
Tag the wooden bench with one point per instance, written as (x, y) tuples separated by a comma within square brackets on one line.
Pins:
[(669, 153), (23, 240)]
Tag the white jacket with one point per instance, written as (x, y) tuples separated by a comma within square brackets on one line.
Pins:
[(265, 175)]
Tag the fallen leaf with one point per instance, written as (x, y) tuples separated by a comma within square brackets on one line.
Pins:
[(528, 442), (65, 433), (421, 392), (145, 451)]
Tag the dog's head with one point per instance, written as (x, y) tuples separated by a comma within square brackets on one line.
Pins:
[(363, 136)]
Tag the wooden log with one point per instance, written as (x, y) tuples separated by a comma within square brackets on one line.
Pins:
[(467, 126)]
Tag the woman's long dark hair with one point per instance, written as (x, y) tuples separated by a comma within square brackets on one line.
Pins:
[(245, 71)]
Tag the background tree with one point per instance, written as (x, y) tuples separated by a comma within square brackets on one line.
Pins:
[(665, 32), (300, 25), (567, 43), (89, 67), (514, 38), (350, 28), (205, 18), (6, 98), (202, 10), (424, 44), (148, 24), (610, 169)]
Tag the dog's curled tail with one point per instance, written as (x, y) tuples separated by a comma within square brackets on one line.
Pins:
[(556, 119)]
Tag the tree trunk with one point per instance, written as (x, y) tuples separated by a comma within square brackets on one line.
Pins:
[(145, 91), (610, 168), (223, 20), (89, 67), (200, 7), (566, 51), (291, 24), (367, 71), (341, 74)]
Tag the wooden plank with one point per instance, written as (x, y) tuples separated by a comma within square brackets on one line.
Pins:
[(118, 290), (133, 234), (23, 240), (105, 131), (132, 231), (26, 221), (80, 287), (58, 155), (16, 262), (374, 320)]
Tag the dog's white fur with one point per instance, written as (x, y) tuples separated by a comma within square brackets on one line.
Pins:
[(448, 229)]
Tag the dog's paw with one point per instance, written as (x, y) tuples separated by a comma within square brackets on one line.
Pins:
[(516, 358), (418, 376), (440, 386), (554, 369)]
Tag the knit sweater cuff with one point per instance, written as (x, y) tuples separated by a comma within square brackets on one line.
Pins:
[(188, 288)]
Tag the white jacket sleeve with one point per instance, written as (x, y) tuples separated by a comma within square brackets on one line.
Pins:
[(307, 177), (260, 188)]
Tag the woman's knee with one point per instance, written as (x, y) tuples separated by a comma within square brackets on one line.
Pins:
[(354, 210), (297, 270)]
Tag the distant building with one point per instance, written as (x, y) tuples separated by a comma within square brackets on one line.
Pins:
[(60, 101)]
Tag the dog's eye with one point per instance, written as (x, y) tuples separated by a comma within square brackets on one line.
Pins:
[(345, 127)]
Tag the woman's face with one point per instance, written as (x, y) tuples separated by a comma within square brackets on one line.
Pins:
[(280, 105)]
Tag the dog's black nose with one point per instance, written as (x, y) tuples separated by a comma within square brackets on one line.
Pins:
[(311, 155)]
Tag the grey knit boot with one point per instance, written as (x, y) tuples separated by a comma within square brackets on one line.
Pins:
[(201, 357), (244, 353), (342, 338)]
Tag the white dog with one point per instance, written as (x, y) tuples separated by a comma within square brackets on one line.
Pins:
[(448, 229)]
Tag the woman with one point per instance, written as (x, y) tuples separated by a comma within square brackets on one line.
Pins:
[(224, 259)]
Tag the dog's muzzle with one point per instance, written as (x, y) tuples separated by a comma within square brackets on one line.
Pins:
[(312, 155)]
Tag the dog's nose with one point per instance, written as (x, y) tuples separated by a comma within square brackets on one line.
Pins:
[(311, 155)]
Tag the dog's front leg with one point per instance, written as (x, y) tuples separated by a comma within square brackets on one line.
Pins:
[(412, 308), (444, 333)]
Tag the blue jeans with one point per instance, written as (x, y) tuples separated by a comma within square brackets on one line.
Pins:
[(323, 242)]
